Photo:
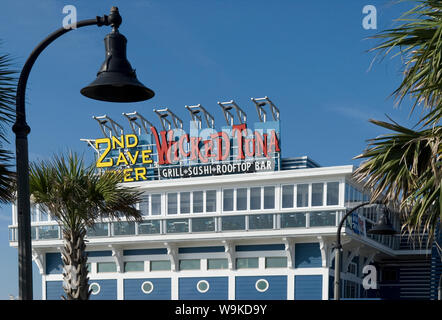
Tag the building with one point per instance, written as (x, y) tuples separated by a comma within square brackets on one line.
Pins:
[(230, 219)]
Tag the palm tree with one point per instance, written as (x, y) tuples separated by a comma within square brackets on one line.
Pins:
[(77, 196), (405, 165), (8, 84)]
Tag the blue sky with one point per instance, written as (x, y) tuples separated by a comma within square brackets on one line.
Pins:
[(309, 57)]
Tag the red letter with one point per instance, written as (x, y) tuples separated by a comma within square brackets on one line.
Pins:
[(164, 147), (239, 129)]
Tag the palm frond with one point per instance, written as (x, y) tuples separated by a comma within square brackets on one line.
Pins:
[(405, 167), (418, 40)]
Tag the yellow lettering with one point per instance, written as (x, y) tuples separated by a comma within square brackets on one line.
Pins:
[(145, 156), (134, 159), (122, 159), (128, 144), (100, 163), (127, 174), (115, 141), (140, 172)]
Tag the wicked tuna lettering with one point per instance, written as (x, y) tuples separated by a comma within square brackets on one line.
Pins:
[(218, 147)]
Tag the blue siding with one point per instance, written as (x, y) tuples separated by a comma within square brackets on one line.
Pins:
[(308, 287), (105, 253), (307, 255), (140, 252), (161, 289), (108, 290), (201, 249), (54, 290), (54, 265), (218, 289), (245, 288), (260, 247)]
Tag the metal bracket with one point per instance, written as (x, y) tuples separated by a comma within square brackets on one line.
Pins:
[(143, 123), (167, 125), (196, 116), (112, 127), (229, 105), (260, 103)]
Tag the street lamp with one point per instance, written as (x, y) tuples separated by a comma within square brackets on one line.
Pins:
[(382, 227), (116, 82)]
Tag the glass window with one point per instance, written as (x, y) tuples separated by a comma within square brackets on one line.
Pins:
[(241, 199), (48, 232), (211, 201), (156, 204), (262, 285), (89, 267), (94, 288), (203, 224), (144, 205), (233, 223), (276, 262), (319, 219), (332, 193), (190, 264), (255, 198), (217, 264), (261, 221), (202, 286), (34, 213), (106, 267), (98, 230), (177, 225), (132, 266), (124, 228), (302, 195), (147, 287), (287, 196), (185, 202), (317, 194), (245, 263), (172, 203), (228, 200), (269, 197), (160, 265), (149, 227), (43, 216), (293, 220), (33, 233), (198, 201)]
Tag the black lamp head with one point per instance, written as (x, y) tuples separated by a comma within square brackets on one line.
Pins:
[(116, 80), (383, 225)]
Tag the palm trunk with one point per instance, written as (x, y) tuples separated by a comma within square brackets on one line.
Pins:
[(75, 273)]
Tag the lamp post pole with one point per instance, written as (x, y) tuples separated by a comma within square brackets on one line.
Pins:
[(338, 247), (21, 130)]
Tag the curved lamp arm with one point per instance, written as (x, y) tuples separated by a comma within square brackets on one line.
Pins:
[(21, 130), (338, 247)]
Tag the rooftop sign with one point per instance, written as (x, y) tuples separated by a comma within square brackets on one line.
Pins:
[(150, 154)]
